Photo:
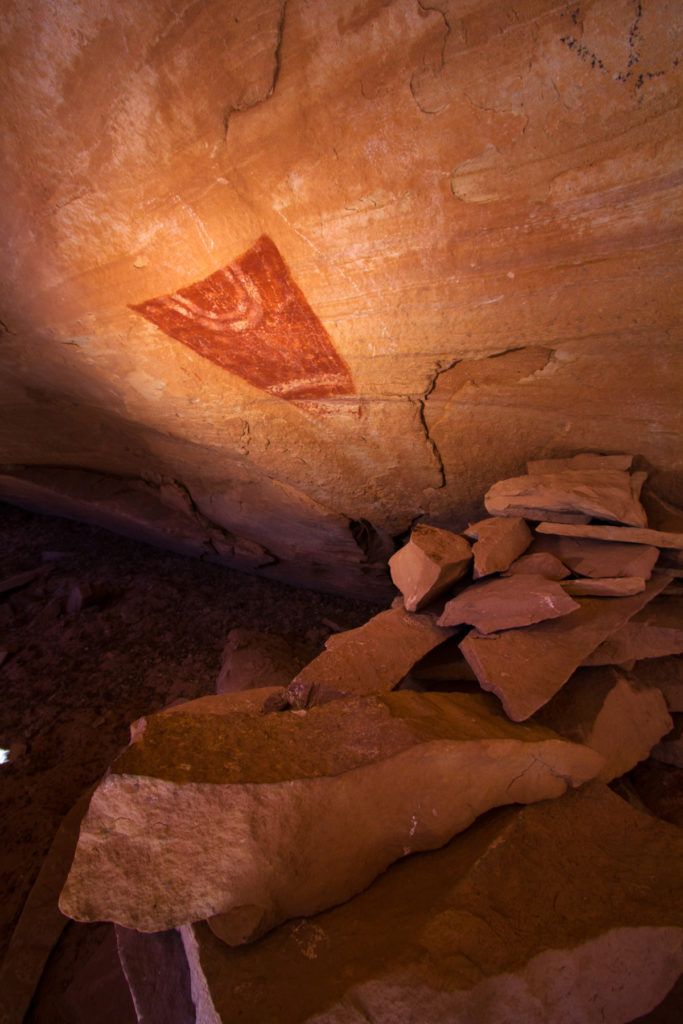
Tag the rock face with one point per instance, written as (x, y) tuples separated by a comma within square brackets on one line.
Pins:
[(256, 819), (496, 926), (182, 190), (429, 564)]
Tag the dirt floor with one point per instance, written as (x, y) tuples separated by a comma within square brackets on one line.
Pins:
[(110, 631)]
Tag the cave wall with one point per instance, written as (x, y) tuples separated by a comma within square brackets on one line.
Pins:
[(279, 278)]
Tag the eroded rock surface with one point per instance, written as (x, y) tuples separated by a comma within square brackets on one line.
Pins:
[(261, 818), (523, 918)]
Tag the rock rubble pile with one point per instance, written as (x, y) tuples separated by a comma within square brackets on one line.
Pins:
[(271, 824)]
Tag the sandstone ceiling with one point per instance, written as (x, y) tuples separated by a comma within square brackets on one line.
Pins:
[(281, 278)]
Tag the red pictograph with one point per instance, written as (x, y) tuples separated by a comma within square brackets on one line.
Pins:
[(252, 319)]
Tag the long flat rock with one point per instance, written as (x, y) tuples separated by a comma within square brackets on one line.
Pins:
[(252, 819), (370, 659), (569, 910), (515, 601), (600, 493), (621, 534), (526, 667)]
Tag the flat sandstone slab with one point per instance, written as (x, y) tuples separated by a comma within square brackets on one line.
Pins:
[(567, 911), (539, 563), (370, 659), (600, 493), (526, 667), (497, 604), (620, 534), (259, 818)]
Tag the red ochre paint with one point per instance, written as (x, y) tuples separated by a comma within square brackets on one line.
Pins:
[(252, 319)]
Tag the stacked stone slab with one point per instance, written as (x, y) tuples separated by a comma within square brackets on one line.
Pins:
[(272, 817)]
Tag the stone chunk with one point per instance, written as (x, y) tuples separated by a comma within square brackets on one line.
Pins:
[(600, 493), (562, 912), (621, 534), (499, 543), (256, 819), (254, 659), (616, 586), (526, 667), (539, 563), (428, 564), (508, 603), (370, 659), (599, 558), (605, 710), (654, 632)]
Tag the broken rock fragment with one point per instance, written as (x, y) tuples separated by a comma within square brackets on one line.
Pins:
[(428, 564), (370, 659), (259, 818), (492, 605), (526, 667), (498, 543), (604, 709), (566, 911), (600, 493)]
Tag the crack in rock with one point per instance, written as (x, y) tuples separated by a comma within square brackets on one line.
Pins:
[(277, 53)]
